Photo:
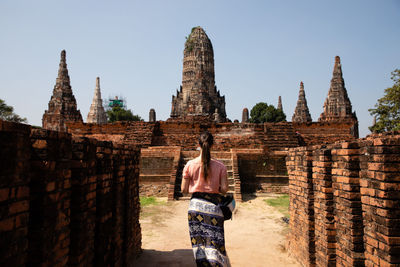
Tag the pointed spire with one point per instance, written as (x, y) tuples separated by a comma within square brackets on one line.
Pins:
[(280, 103), (62, 105), (96, 113), (301, 113), (337, 106)]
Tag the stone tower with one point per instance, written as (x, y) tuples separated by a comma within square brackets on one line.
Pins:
[(301, 113), (337, 106), (198, 95), (62, 105), (152, 115), (280, 103), (245, 115), (97, 114)]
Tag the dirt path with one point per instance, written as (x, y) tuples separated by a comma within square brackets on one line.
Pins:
[(255, 236)]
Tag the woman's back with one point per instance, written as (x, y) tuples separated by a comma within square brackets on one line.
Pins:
[(216, 174)]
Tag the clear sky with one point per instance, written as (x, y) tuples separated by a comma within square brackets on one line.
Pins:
[(262, 49)]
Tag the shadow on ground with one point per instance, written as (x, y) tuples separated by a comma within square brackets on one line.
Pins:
[(174, 258)]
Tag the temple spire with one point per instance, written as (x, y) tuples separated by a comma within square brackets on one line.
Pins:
[(97, 114), (198, 96), (301, 113), (62, 105), (280, 103), (337, 106)]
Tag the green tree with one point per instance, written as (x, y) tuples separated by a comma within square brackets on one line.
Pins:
[(387, 110), (121, 114), (7, 113), (262, 112)]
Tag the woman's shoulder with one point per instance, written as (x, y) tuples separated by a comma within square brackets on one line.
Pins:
[(218, 164), (194, 161)]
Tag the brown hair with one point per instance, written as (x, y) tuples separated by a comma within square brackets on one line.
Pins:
[(206, 140)]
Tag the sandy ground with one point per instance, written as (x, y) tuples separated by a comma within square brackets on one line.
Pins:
[(255, 237)]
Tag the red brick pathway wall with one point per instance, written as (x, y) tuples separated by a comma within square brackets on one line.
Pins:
[(344, 203), (66, 200)]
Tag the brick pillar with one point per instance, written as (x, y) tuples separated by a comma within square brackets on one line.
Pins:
[(104, 205), (14, 193), (325, 232), (302, 236), (380, 189), (347, 198), (49, 229), (83, 202), (133, 240)]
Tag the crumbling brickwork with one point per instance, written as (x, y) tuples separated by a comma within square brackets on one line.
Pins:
[(14, 193), (67, 201), (347, 214)]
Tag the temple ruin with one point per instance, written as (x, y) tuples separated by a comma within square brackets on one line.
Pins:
[(97, 113), (62, 105), (337, 106), (198, 94), (301, 113), (70, 192)]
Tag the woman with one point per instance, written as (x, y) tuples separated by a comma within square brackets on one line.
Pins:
[(206, 179)]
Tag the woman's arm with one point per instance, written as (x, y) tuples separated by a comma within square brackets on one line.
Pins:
[(185, 186), (224, 183)]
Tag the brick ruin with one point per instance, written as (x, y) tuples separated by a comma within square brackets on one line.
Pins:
[(62, 105), (198, 95), (344, 202), (66, 200)]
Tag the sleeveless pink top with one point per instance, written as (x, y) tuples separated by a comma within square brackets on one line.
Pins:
[(192, 171)]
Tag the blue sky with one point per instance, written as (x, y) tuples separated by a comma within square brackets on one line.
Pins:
[(262, 49)]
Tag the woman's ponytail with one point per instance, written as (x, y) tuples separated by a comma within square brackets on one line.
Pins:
[(206, 140)]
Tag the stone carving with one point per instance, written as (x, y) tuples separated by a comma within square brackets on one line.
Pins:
[(337, 106), (245, 115), (62, 105), (280, 103), (97, 114), (198, 95), (301, 113), (152, 115)]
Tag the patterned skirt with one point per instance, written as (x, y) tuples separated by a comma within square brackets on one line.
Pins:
[(206, 228)]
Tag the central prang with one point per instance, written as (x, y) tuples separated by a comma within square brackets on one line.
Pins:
[(198, 96)]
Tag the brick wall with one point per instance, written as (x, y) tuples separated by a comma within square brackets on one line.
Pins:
[(66, 200), (14, 193), (344, 201), (262, 171), (269, 136), (158, 167)]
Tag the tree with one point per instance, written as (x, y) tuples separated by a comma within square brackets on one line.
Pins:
[(387, 110), (262, 112), (121, 114), (7, 113)]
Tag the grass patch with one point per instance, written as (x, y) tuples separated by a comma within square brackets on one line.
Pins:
[(150, 201), (281, 203)]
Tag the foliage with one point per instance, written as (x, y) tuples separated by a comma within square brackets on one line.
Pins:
[(189, 44), (281, 203), (262, 112), (146, 201), (121, 114), (7, 113), (387, 110)]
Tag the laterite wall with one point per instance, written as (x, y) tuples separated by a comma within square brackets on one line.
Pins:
[(344, 203), (66, 201)]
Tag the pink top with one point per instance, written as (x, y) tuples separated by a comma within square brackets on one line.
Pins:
[(192, 171)]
